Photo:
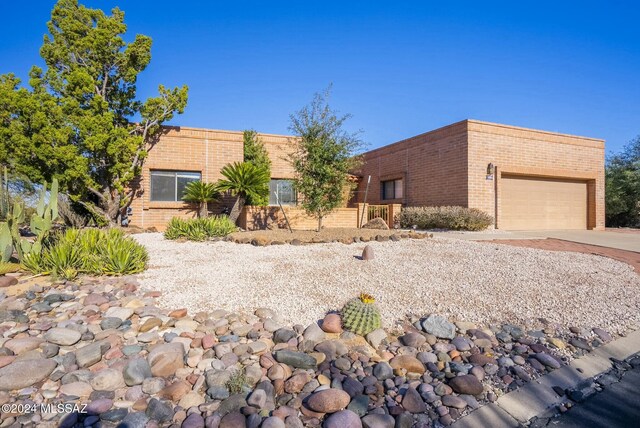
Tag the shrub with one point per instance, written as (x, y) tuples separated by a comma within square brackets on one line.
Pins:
[(91, 251), (454, 218), (199, 229), (237, 382)]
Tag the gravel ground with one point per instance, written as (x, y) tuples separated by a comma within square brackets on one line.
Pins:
[(465, 281)]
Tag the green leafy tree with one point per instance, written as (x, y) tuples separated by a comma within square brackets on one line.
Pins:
[(622, 193), (244, 181), (323, 156), (201, 194), (81, 121), (256, 153)]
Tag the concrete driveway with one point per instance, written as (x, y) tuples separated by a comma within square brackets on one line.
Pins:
[(621, 241)]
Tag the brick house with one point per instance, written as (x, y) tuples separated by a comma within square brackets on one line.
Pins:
[(526, 179), (184, 154)]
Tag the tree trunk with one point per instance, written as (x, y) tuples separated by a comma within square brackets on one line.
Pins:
[(203, 210), (238, 205), (319, 223)]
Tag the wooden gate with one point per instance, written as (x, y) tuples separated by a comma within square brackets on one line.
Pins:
[(379, 211)]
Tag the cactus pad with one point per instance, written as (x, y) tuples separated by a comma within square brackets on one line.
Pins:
[(361, 315)]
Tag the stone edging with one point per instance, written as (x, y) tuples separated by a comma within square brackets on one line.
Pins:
[(538, 397)]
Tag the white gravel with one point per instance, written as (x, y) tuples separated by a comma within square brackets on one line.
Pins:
[(465, 281)]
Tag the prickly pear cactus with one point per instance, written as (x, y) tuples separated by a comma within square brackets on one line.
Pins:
[(361, 315), (6, 242)]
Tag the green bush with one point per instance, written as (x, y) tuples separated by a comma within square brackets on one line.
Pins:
[(199, 229), (91, 251), (453, 218)]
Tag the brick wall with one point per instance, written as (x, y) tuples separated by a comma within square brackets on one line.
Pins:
[(255, 218), (448, 166), (521, 151), (433, 166), (197, 150)]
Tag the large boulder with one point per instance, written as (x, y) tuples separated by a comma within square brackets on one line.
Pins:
[(376, 223)]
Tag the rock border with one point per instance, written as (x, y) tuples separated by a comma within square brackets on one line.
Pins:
[(539, 399)]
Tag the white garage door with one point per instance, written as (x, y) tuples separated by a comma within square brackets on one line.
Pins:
[(543, 204)]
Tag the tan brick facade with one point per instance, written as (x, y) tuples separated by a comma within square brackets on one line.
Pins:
[(255, 218), (448, 166), (198, 150)]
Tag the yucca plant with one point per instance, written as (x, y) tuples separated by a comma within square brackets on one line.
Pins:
[(243, 180), (200, 193)]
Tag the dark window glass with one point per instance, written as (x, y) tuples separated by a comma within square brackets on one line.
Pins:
[(392, 189), (168, 186)]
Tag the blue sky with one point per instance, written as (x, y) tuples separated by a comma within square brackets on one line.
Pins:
[(401, 68)]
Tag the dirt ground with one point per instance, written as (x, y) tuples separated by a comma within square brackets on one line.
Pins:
[(325, 235), (630, 257)]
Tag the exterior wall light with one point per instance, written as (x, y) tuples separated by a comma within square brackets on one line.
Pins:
[(490, 171)]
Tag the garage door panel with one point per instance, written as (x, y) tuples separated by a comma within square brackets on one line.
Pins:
[(539, 203)]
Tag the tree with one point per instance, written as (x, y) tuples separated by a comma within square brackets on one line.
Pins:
[(201, 194), (622, 193), (76, 122), (256, 153), (243, 180), (323, 157)]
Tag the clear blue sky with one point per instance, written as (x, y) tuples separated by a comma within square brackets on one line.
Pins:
[(401, 68)]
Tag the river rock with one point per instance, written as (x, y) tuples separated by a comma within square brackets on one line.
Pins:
[(295, 359), (439, 326), (367, 253), (328, 401), (374, 420), (343, 419), (166, 358), (412, 401), (136, 371), (547, 360), (21, 374), (107, 380), (332, 323), (466, 384), (62, 336), (407, 362)]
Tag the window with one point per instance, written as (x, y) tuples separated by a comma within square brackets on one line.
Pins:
[(392, 189), (284, 190), (169, 185)]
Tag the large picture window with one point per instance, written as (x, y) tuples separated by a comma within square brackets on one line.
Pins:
[(392, 189), (168, 186), (285, 191)]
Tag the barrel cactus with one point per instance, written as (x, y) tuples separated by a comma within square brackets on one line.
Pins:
[(361, 315)]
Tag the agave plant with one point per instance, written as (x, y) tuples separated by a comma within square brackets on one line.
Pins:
[(93, 251), (243, 180), (200, 193)]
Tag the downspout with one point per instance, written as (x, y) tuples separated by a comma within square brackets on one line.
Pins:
[(496, 175)]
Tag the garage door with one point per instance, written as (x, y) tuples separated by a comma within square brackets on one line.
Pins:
[(543, 204)]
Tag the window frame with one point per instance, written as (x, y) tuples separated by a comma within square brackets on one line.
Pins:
[(383, 193), (176, 174), (294, 194)]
